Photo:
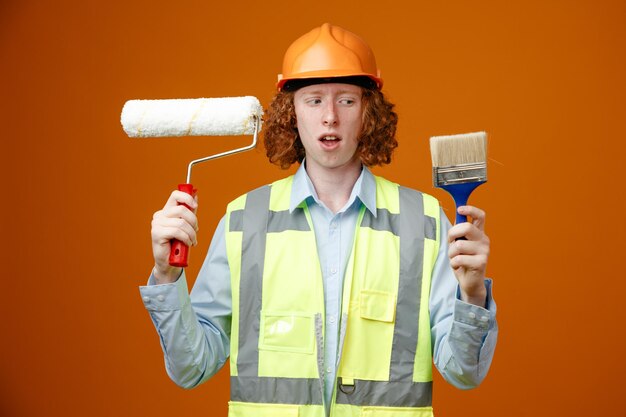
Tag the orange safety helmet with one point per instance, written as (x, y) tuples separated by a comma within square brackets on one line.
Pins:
[(329, 52)]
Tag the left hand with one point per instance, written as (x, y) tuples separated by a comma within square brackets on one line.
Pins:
[(468, 258)]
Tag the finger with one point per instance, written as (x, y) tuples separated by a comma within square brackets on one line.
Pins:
[(467, 247), (179, 197), (177, 216), (178, 212), (469, 262), (466, 230), (165, 229), (174, 222), (477, 215), (174, 233)]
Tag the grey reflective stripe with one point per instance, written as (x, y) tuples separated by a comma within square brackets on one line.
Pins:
[(319, 337), (388, 222), (411, 233), (342, 336), (251, 280), (269, 390), (384, 221), (386, 394), (430, 228), (279, 221), (236, 221)]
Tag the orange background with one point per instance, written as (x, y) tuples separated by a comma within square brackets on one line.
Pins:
[(544, 78)]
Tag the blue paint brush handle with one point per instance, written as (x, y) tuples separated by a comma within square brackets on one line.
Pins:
[(461, 193)]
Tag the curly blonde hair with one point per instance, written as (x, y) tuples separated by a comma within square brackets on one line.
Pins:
[(377, 139)]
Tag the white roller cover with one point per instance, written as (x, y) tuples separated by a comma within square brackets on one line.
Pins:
[(227, 116)]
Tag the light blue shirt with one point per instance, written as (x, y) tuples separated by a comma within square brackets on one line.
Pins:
[(194, 329)]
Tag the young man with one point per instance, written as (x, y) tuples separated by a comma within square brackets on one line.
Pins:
[(333, 290)]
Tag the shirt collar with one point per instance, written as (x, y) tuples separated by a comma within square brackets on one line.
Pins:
[(364, 189)]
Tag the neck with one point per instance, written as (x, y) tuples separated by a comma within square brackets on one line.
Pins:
[(333, 187)]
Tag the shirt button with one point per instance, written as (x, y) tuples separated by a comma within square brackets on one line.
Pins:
[(471, 315), (333, 271), (161, 298), (329, 370), (484, 319), (146, 299), (332, 319)]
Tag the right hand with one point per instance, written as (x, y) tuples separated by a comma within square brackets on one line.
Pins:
[(174, 221)]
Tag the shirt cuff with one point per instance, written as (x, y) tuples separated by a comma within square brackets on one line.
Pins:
[(474, 315), (165, 297)]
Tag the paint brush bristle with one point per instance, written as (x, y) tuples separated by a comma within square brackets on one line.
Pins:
[(455, 150), (459, 165)]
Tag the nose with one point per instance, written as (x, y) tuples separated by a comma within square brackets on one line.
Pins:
[(330, 114)]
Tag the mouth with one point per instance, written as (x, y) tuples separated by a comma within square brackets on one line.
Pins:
[(329, 139)]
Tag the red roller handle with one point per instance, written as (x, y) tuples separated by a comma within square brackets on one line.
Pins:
[(179, 251)]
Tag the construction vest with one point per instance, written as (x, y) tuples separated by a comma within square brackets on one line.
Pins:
[(277, 331)]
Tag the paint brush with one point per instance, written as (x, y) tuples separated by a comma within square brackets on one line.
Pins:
[(459, 165)]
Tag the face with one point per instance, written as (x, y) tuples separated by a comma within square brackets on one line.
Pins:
[(329, 123)]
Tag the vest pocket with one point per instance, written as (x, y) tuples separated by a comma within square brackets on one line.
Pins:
[(239, 409), (377, 305), (287, 332)]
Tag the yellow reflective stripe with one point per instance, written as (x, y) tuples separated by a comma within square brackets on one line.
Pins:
[(233, 251), (237, 204), (431, 206), (281, 194), (423, 353), (387, 195), (396, 412), (243, 409)]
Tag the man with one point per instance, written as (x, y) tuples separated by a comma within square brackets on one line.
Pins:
[(331, 290)]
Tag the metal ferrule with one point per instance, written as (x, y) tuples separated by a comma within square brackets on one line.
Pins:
[(257, 127), (459, 174)]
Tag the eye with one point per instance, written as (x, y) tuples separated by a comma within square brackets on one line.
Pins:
[(313, 101), (348, 101)]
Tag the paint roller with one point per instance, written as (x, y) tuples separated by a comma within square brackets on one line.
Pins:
[(226, 116)]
